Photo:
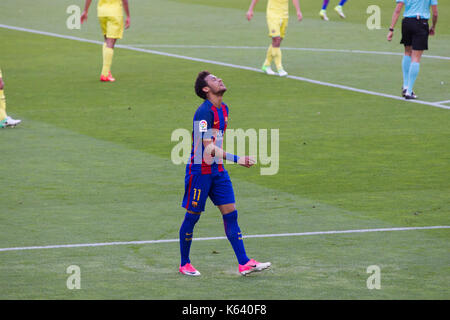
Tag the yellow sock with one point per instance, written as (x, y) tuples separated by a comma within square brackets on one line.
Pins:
[(269, 56), (2, 106), (103, 50), (108, 54), (277, 58)]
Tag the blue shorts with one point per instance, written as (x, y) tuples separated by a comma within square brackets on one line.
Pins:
[(198, 187)]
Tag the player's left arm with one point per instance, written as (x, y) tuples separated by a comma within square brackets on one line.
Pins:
[(127, 12), (297, 8), (434, 19), (215, 151), (395, 15)]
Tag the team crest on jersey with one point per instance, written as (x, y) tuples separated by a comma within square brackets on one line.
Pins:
[(203, 126), (194, 204)]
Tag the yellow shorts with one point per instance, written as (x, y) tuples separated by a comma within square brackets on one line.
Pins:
[(277, 26), (112, 27)]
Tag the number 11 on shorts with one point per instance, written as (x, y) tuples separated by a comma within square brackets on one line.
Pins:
[(198, 196)]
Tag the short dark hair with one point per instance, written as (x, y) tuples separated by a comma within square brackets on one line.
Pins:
[(200, 83)]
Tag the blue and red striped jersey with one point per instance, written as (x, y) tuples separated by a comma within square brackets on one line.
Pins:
[(209, 122)]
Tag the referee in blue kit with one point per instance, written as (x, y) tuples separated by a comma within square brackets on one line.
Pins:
[(415, 32)]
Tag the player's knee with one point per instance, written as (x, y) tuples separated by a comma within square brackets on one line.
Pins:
[(276, 41), (416, 55), (227, 208), (408, 50), (110, 42)]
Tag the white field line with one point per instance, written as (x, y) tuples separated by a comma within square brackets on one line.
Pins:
[(328, 84), (443, 102), (116, 243), (193, 46)]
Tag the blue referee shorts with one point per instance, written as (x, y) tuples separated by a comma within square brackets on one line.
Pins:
[(198, 187)]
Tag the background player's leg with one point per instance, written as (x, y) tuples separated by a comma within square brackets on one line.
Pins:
[(266, 68), (413, 71), (323, 12), (5, 121), (110, 42), (276, 42), (276, 50), (338, 8), (277, 56), (269, 57), (108, 53), (2, 103), (406, 63), (233, 232)]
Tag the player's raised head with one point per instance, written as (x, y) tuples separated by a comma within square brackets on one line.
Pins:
[(200, 83), (208, 83)]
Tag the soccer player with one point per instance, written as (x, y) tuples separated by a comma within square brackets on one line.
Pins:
[(5, 120), (207, 177), (110, 15), (338, 9), (277, 20), (415, 31)]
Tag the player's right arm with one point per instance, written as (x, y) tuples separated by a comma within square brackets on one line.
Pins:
[(395, 15), (250, 10), (84, 15), (434, 19)]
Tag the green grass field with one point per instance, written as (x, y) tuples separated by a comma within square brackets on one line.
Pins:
[(91, 161)]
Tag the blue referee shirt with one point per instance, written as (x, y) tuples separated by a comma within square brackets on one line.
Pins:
[(414, 8)]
